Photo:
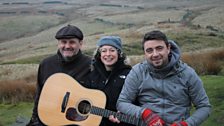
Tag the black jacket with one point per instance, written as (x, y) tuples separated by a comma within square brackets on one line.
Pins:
[(110, 83), (78, 68)]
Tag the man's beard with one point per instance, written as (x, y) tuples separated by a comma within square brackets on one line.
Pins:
[(69, 58)]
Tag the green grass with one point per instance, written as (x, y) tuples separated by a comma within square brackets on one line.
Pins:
[(133, 48), (9, 112), (30, 60), (213, 85), (194, 41)]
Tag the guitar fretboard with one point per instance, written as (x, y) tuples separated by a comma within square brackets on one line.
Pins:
[(122, 117)]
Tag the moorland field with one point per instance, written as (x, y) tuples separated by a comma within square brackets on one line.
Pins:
[(28, 27)]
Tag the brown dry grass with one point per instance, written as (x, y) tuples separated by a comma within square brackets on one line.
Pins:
[(13, 91), (206, 62)]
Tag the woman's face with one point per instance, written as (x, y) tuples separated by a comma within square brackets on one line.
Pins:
[(109, 55)]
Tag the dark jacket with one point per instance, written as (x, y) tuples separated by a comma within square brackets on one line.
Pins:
[(78, 68), (110, 83)]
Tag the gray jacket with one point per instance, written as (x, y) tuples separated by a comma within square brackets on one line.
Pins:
[(169, 92)]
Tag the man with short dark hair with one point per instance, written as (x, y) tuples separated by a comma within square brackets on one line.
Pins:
[(69, 59), (164, 87)]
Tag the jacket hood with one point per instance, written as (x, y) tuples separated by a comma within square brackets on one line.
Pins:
[(174, 55), (171, 67)]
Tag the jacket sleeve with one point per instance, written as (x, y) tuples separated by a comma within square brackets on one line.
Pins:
[(129, 93), (199, 99), (35, 121)]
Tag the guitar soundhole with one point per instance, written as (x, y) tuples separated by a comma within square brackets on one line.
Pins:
[(72, 115), (84, 107)]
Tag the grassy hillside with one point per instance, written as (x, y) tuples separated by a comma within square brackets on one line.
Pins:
[(20, 26), (30, 31), (214, 87), (10, 112)]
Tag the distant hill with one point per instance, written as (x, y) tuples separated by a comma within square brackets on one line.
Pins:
[(28, 28)]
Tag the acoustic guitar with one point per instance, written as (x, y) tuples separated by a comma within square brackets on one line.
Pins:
[(63, 101)]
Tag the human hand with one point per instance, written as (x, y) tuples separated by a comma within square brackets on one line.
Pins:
[(152, 119), (182, 123), (114, 119)]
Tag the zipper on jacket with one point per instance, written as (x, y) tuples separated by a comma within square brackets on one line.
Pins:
[(108, 78), (163, 96), (106, 81)]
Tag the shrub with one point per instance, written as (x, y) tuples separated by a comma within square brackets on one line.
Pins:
[(205, 63), (13, 91)]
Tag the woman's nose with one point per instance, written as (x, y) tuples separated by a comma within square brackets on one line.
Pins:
[(108, 52)]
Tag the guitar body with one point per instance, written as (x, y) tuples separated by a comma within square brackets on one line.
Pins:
[(63, 101)]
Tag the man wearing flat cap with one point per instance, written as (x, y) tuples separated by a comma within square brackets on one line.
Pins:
[(68, 59)]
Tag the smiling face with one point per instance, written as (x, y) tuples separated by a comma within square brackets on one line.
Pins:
[(69, 47), (156, 52), (108, 56)]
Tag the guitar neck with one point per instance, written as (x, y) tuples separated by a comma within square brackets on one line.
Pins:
[(122, 117)]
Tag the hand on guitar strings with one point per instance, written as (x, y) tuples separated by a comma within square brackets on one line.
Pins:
[(114, 119)]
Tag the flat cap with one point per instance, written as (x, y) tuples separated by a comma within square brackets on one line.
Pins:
[(69, 32)]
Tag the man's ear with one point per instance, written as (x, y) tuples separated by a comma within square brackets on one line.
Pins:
[(81, 42), (169, 48)]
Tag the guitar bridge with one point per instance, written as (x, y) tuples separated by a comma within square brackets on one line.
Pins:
[(65, 102)]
